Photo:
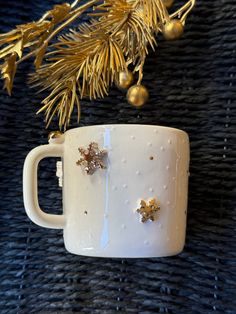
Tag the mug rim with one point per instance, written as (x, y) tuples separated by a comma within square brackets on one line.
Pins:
[(128, 125)]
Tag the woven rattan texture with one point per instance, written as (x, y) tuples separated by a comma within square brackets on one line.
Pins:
[(192, 86)]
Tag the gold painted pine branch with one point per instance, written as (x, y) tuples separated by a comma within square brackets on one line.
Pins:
[(86, 61)]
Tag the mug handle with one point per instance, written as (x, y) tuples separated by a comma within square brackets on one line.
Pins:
[(30, 186)]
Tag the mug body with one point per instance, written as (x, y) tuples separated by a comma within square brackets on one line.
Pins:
[(143, 163)]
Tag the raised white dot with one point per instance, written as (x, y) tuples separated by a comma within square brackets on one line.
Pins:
[(123, 226), (151, 189), (165, 187), (114, 188), (125, 186), (123, 160), (167, 167), (168, 203), (174, 178), (138, 172), (106, 216), (127, 202), (146, 242), (162, 148), (132, 137), (156, 131), (169, 141), (149, 144)]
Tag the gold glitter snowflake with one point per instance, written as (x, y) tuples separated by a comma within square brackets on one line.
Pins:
[(92, 158), (148, 210)]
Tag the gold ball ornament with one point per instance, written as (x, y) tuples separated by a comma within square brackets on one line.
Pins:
[(125, 79), (137, 95), (173, 30), (56, 137), (168, 3)]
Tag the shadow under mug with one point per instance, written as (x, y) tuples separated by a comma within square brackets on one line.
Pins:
[(100, 215)]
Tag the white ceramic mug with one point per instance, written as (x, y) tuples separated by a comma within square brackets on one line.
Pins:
[(100, 216)]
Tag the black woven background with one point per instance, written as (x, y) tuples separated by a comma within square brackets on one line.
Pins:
[(192, 86)]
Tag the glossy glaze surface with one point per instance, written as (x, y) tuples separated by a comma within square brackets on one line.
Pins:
[(144, 162)]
